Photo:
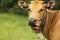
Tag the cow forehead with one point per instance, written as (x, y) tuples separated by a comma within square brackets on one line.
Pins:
[(36, 4)]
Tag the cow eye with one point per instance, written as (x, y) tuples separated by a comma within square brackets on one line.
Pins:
[(28, 9), (41, 10)]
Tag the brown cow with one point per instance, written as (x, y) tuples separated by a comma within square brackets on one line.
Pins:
[(42, 19)]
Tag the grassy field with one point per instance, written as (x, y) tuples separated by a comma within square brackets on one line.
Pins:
[(15, 27)]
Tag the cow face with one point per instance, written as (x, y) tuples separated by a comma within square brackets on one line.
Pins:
[(36, 10)]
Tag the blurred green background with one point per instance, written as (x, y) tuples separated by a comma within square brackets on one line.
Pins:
[(13, 21)]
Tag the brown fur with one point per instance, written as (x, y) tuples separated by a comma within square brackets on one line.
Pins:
[(52, 21), (51, 30)]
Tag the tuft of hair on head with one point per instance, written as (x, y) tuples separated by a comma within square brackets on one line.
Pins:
[(36, 0)]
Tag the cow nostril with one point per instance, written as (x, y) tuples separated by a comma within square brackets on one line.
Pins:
[(34, 21), (31, 22)]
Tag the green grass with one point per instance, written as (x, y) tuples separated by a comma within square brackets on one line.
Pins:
[(15, 27)]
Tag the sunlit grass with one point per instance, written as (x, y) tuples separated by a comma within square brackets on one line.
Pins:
[(15, 27)]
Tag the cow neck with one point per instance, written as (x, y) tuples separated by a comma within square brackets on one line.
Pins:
[(48, 22)]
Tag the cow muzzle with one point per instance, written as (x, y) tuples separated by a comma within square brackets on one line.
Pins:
[(34, 26), (31, 22)]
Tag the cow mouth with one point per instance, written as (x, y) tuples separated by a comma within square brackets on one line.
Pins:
[(35, 29)]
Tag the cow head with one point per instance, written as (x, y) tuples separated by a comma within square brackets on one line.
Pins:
[(36, 10)]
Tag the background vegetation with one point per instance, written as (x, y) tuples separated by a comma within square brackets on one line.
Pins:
[(13, 21), (14, 27), (12, 6)]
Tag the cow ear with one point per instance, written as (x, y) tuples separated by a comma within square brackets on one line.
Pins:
[(22, 4), (50, 4)]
